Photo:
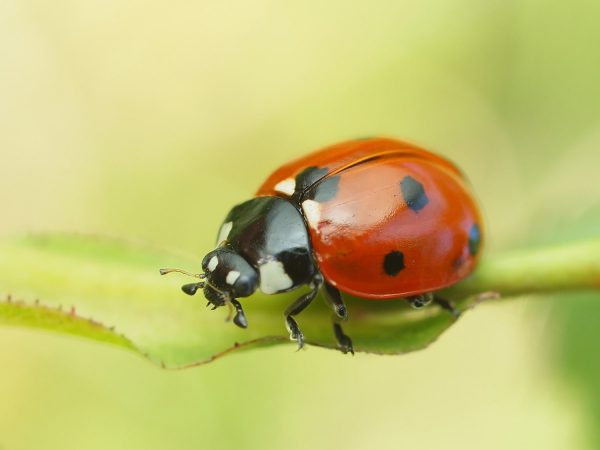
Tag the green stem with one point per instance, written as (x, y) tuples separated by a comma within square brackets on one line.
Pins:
[(568, 267)]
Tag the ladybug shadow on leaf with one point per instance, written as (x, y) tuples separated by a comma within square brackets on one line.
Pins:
[(381, 327)]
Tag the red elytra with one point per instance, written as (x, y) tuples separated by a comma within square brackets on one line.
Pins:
[(402, 220)]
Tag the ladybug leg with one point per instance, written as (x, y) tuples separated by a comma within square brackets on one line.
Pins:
[(297, 307), (240, 318), (334, 298), (344, 342), (447, 305), (335, 301), (420, 301)]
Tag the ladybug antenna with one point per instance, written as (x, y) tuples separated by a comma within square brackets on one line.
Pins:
[(195, 275), (191, 288)]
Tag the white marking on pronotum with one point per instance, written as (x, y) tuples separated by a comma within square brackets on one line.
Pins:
[(312, 212), (287, 186), (232, 277), (212, 264), (224, 231), (273, 278)]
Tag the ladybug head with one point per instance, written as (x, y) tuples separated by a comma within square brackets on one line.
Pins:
[(226, 276)]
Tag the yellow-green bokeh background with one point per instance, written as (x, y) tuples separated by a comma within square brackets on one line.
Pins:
[(150, 119)]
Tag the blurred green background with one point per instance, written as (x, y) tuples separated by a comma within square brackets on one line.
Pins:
[(150, 120)]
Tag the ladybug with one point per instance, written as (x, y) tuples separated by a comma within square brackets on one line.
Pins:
[(375, 218)]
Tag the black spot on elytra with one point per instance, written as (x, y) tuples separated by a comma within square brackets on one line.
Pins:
[(474, 239), (308, 177), (413, 193), (458, 262), (393, 263), (324, 190)]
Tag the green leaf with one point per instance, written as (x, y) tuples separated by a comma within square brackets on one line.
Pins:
[(111, 291), (39, 316)]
